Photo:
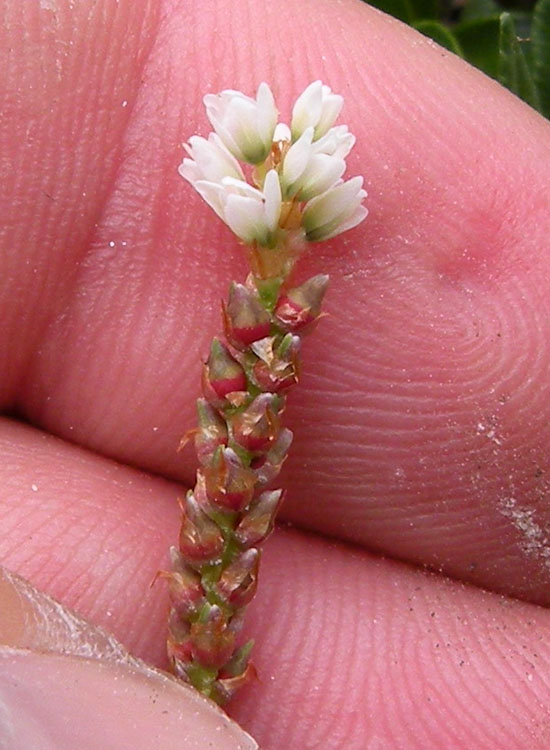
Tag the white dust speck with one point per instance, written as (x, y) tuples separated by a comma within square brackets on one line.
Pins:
[(34, 488), (535, 542), (111, 243), (125, 103), (489, 431)]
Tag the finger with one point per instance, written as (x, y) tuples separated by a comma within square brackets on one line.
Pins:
[(428, 401), (350, 650), (71, 76), (65, 511), (59, 674)]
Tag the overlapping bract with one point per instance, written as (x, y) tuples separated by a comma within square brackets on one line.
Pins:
[(298, 169)]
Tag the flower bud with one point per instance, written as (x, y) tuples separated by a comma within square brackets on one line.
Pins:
[(245, 318), (267, 467), (239, 580), (222, 374), (258, 522), (335, 211), (245, 125), (301, 306), (211, 432), (256, 427), (278, 366), (316, 107), (228, 483), (212, 641), (184, 585), (200, 538)]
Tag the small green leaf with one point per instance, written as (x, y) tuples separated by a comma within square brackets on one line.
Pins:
[(474, 9), (479, 40), (513, 71), (540, 35), (440, 34), (401, 9)]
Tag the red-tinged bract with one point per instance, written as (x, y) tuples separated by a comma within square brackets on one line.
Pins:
[(301, 306), (222, 373), (229, 484), (245, 318), (256, 427), (211, 432), (200, 540), (212, 640)]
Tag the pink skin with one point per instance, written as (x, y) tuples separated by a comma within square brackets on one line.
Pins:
[(422, 418)]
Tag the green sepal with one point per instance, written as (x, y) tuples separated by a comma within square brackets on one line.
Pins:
[(202, 678), (268, 290), (238, 662)]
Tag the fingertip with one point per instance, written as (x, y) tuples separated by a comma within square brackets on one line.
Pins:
[(60, 702), (65, 683)]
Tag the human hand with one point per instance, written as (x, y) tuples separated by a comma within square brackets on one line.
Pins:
[(421, 424)]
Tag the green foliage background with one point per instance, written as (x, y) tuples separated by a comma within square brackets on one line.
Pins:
[(508, 40)]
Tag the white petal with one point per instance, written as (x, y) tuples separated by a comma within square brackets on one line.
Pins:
[(322, 173), (245, 216), (214, 194), (307, 109), (334, 201), (267, 113), (337, 142), (213, 160), (331, 108), (281, 132), (272, 192), (356, 218), (240, 187), (325, 213), (297, 157), (189, 170)]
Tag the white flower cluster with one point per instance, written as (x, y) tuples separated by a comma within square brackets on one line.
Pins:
[(298, 183)]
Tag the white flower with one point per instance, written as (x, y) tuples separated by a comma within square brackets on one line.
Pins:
[(312, 168), (337, 142), (335, 211), (245, 125), (210, 160), (303, 164), (252, 214), (316, 107)]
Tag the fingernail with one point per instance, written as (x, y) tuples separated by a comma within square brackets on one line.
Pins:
[(63, 678)]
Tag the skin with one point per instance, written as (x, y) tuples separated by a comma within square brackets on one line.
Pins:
[(422, 420)]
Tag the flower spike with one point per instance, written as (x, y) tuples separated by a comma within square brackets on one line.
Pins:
[(293, 194)]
